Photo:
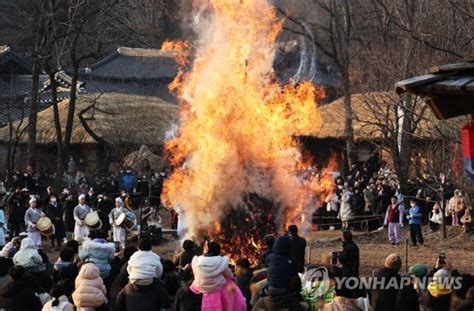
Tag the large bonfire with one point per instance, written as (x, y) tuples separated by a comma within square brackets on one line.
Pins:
[(238, 166)]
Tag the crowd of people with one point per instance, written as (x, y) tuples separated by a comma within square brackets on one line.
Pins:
[(93, 276), (369, 197), (100, 268)]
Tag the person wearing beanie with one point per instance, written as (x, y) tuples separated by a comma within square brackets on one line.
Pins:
[(81, 231), (59, 301), (32, 215), (214, 279), (144, 265), (144, 291), (439, 291), (90, 292), (119, 233), (392, 294)]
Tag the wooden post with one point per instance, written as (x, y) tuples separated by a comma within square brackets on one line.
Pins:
[(308, 260), (406, 255)]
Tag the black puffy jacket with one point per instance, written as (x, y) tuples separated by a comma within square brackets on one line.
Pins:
[(281, 266)]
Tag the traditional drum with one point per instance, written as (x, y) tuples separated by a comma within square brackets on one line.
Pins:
[(125, 220), (93, 221), (45, 226)]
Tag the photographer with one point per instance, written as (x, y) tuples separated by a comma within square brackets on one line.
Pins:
[(349, 257)]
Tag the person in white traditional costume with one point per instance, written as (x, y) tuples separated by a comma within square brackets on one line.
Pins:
[(119, 233), (32, 215), (81, 231), (181, 227)]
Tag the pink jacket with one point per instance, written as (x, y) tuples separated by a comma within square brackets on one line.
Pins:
[(90, 290), (228, 298), (210, 273)]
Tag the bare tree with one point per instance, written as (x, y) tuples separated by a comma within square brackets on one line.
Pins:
[(334, 37)]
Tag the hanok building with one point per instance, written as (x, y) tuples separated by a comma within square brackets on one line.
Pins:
[(15, 91), (125, 104)]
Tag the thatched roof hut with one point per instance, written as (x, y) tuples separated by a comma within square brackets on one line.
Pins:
[(111, 117), (371, 113)]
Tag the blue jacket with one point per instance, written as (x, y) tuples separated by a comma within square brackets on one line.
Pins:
[(128, 182), (415, 215), (281, 266)]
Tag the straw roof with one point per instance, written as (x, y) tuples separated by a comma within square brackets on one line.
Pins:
[(371, 108), (115, 118)]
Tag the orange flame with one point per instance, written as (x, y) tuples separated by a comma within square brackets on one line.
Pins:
[(237, 124)]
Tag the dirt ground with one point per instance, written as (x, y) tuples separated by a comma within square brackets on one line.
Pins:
[(459, 248)]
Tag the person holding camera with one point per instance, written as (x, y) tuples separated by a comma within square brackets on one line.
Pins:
[(349, 257)]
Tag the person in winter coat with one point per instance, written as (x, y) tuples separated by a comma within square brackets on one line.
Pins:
[(394, 221), (128, 181), (5, 265), (99, 252), (214, 280), (144, 265), (389, 296), (65, 261), (16, 212), (414, 221), (436, 218), (186, 299), (468, 303), (19, 294), (28, 256), (349, 257), (69, 204), (3, 227), (90, 292), (55, 212), (282, 271), (243, 278), (187, 255), (268, 240), (343, 301), (144, 290), (59, 301), (298, 247), (438, 296)]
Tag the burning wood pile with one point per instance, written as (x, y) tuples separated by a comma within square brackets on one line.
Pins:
[(237, 162)]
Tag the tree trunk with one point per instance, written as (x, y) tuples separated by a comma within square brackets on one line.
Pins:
[(57, 126), (348, 130), (71, 108), (33, 116)]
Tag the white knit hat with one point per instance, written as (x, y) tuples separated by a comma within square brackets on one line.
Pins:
[(82, 197)]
